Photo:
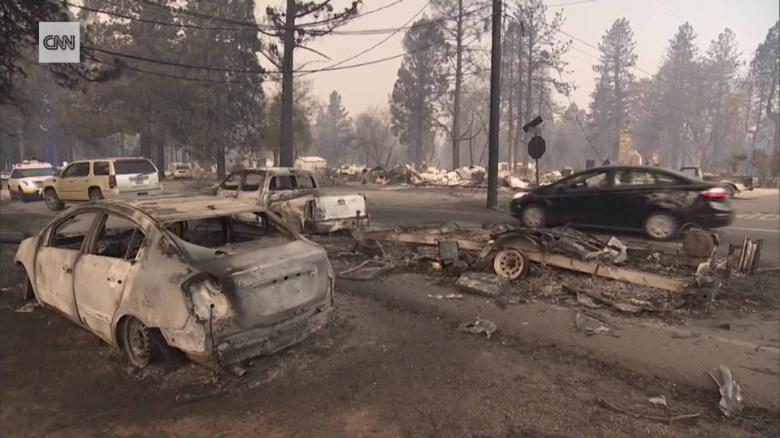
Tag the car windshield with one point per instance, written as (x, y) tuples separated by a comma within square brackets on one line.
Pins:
[(40, 171), (182, 167), (128, 167)]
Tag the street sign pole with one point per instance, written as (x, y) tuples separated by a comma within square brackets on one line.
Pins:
[(537, 172), (495, 97)]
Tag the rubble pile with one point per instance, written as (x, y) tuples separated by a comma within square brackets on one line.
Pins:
[(466, 176), (562, 265)]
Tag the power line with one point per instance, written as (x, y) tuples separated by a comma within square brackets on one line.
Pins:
[(571, 3), (253, 71), (168, 75), (383, 40), (263, 28), (172, 63), (260, 27), (149, 21)]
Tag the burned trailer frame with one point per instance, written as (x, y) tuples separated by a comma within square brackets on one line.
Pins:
[(192, 300)]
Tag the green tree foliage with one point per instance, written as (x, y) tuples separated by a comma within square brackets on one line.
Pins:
[(422, 80), (334, 131), (764, 85), (227, 112)]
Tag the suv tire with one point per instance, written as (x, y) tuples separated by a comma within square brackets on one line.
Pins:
[(52, 200), (95, 194)]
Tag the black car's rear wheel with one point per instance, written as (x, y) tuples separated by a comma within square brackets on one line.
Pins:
[(661, 226), (533, 216)]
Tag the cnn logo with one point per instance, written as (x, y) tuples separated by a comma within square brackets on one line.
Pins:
[(59, 42)]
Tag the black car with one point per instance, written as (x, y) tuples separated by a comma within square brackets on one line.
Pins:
[(654, 200)]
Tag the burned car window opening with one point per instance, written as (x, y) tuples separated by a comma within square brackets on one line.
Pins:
[(70, 234), (118, 238), (282, 182), (252, 182)]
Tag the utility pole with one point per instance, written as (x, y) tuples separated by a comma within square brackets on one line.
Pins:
[(458, 85), (286, 152), (495, 97)]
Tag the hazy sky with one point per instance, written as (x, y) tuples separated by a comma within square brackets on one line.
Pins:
[(654, 22)]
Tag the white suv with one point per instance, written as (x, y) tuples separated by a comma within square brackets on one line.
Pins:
[(126, 177), (26, 179)]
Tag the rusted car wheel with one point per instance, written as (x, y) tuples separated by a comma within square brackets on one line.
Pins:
[(510, 263), (141, 345)]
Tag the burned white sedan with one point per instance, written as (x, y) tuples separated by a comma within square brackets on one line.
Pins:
[(218, 279)]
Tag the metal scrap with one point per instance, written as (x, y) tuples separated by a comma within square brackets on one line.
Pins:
[(589, 324), (28, 307), (479, 326), (480, 283), (367, 270), (748, 259), (615, 251), (730, 393), (659, 400)]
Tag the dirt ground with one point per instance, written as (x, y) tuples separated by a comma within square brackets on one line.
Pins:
[(376, 371)]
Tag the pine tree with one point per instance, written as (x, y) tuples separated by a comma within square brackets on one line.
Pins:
[(722, 63), (334, 130), (676, 82), (421, 82), (609, 105)]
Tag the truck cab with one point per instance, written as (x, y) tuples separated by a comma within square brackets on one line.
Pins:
[(294, 195)]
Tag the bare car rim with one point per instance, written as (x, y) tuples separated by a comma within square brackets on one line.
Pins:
[(660, 226), (509, 263), (137, 343), (95, 195), (533, 217)]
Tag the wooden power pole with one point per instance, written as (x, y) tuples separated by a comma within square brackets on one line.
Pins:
[(495, 97)]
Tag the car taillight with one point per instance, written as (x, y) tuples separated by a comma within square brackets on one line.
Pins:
[(111, 181), (715, 194)]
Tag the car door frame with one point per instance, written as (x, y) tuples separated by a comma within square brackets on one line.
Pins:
[(577, 206), (65, 300), (253, 197), (98, 300), (629, 205), (69, 189), (230, 193)]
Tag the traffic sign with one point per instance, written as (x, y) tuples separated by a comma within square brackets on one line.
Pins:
[(536, 147)]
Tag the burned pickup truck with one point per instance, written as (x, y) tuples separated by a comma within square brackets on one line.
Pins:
[(294, 195)]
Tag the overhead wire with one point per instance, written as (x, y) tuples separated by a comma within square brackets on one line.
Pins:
[(384, 40)]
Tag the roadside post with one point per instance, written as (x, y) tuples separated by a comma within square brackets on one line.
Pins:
[(537, 146)]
